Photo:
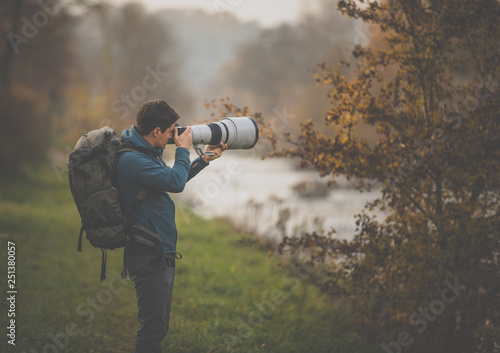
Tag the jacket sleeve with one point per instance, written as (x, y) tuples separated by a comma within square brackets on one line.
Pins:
[(140, 169), (196, 166)]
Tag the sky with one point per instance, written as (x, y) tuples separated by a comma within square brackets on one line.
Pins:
[(268, 13)]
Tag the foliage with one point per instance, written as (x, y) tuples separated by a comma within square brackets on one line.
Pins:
[(432, 94)]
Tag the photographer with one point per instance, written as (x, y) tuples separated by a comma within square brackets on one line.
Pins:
[(153, 269)]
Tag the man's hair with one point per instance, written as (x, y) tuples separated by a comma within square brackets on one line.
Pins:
[(153, 114)]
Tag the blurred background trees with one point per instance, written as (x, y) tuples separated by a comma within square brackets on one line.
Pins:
[(69, 67), (72, 66), (36, 63), (119, 48)]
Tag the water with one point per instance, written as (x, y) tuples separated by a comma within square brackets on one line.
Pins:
[(252, 192)]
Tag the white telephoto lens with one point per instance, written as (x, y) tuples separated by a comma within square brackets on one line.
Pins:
[(236, 132)]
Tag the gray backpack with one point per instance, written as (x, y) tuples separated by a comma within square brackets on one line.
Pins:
[(94, 186)]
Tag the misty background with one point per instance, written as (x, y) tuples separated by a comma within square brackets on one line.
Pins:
[(82, 65), (399, 114)]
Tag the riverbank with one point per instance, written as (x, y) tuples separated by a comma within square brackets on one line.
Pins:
[(227, 296), (242, 187)]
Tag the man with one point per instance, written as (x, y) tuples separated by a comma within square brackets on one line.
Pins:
[(153, 269)]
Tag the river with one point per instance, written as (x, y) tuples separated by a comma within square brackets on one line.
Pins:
[(257, 196)]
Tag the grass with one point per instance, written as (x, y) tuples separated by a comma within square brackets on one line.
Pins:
[(227, 296)]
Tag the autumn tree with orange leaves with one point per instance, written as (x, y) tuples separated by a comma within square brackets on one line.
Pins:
[(427, 277)]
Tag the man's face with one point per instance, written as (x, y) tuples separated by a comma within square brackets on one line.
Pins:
[(161, 138)]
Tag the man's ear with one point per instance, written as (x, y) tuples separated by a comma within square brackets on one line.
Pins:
[(156, 131)]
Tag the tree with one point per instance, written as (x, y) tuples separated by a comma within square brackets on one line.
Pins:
[(427, 277), (127, 56), (34, 68), (8, 51), (274, 69)]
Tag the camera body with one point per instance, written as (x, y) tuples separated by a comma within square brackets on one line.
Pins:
[(236, 132)]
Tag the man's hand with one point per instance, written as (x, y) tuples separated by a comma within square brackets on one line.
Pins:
[(185, 139), (221, 147)]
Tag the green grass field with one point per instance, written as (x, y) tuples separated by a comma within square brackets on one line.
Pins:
[(228, 296)]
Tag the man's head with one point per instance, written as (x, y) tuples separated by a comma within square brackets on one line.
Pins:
[(155, 122)]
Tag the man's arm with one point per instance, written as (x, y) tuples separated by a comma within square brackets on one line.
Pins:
[(140, 169), (197, 166), (202, 161)]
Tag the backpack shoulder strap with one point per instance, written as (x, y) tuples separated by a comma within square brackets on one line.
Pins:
[(151, 237), (129, 148), (118, 153), (141, 195)]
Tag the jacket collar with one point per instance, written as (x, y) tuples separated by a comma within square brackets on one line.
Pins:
[(133, 137)]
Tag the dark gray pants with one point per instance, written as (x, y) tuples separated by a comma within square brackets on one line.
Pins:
[(154, 281)]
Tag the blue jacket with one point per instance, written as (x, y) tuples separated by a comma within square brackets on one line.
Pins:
[(157, 212)]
